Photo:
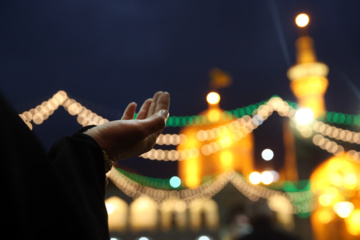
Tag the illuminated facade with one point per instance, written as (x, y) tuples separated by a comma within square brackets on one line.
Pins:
[(336, 183), (228, 152)]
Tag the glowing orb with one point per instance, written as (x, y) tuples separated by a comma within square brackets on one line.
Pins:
[(267, 177), (304, 116), (213, 98), (343, 209), (255, 177), (175, 182), (267, 154), (302, 20)]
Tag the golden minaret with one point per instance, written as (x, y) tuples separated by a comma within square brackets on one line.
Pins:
[(307, 77)]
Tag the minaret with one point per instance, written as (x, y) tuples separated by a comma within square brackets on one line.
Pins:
[(308, 76)]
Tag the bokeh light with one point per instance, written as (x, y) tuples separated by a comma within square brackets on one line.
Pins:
[(304, 116), (175, 182), (255, 177), (267, 154), (204, 238), (302, 20), (213, 98), (267, 177), (343, 209), (143, 238)]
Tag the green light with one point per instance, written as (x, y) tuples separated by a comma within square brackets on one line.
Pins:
[(175, 182), (330, 117), (342, 118)]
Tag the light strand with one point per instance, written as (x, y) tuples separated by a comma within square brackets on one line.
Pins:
[(210, 188), (240, 127), (336, 133)]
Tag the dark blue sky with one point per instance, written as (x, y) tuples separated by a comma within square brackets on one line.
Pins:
[(106, 53)]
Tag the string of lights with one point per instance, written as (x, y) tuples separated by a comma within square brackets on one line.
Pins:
[(242, 122), (336, 133), (341, 118), (240, 127), (289, 202)]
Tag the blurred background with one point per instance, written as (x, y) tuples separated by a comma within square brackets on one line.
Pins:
[(88, 59)]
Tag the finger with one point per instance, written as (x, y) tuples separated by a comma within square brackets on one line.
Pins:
[(129, 111), (154, 124), (153, 104), (163, 102), (144, 109)]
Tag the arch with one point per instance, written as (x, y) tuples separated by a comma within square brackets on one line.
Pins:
[(204, 213), (173, 214), (117, 214), (143, 214)]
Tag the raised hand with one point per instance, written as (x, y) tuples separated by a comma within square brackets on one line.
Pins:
[(130, 137)]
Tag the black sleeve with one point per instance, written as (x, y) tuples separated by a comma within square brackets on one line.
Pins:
[(59, 196), (80, 171)]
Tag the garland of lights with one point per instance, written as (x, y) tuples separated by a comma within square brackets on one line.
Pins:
[(41, 112), (243, 125), (302, 201), (289, 202)]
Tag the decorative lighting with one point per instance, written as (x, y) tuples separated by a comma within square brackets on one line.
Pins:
[(304, 116), (275, 175), (247, 119), (337, 133), (324, 216), (209, 189), (255, 178), (213, 98), (267, 154), (239, 127), (175, 182), (343, 209), (267, 177), (302, 20), (325, 200), (143, 238), (353, 222), (204, 238)]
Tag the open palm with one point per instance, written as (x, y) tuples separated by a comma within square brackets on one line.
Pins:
[(131, 137)]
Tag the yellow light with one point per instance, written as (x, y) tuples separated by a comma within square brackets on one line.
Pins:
[(267, 177), (350, 180), (324, 216), (332, 192), (225, 141), (343, 209), (255, 177), (192, 169), (325, 199), (213, 98), (214, 115), (302, 20), (226, 159), (304, 116), (180, 206), (353, 222), (336, 179)]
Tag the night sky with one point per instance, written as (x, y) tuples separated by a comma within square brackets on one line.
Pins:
[(107, 53)]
